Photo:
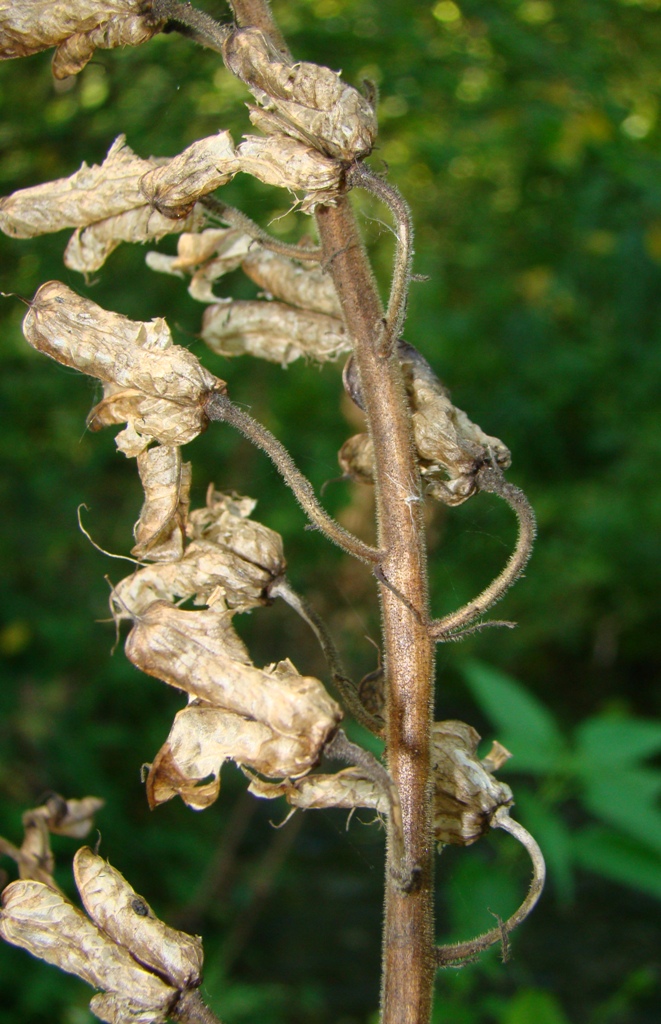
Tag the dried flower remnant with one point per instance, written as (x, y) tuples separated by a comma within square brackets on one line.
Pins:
[(288, 163), (138, 358), (56, 816), (356, 458), (75, 27), (466, 795), (199, 652), (273, 331), (306, 101), (44, 923), (349, 788), (204, 737), (203, 167), (306, 287), (166, 480), (231, 557), (206, 255), (130, 922), (89, 248)]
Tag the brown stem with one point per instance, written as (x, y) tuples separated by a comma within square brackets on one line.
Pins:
[(191, 1009), (257, 14), (493, 481), (191, 22), (465, 951), (407, 942), (408, 965), (219, 407)]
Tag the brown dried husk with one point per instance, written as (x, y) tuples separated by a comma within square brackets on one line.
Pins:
[(199, 652), (237, 559), (451, 448), (466, 795), (138, 357), (208, 255), (348, 788), (89, 248), (306, 287), (56, 816), (356, 458), (287, 163), (149, 419), (201, 168), (166, 481), (128, 920), (44, 923), (91, 194), (306, 101), (76, 27), (273, 331), (203, 737)]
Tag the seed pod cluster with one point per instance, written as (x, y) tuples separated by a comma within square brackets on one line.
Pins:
[(76, 27), (451, 448), (141, 966)]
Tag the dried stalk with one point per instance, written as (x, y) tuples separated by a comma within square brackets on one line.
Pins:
[(220, 408)]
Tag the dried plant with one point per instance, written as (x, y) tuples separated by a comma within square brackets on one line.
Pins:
[(273, 722)]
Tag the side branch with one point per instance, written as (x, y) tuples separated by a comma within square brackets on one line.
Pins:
[(220, 408), (237, 219), (345, 686), (492, 480), (465, 951), (191, 22), (361, 176)]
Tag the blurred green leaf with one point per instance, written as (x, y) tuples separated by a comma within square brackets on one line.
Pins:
[(534, 1006), (618, 858), (627, 798), (606, 741), (524, 725)]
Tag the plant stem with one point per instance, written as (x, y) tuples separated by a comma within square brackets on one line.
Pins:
[(191, 1009), (408, 965)]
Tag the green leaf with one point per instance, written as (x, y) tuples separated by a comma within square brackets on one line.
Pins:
[(627, 798), (524, 725), (619, 858), (607, 740), (534, 1006)]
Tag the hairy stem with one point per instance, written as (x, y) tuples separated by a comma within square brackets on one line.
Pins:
[(361, 175), (191, 22), (493, 481), (220, 408), (345, 687), (463, 951), (237, 219), (408, 964)]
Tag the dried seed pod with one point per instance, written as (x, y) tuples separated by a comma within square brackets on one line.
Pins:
[(69, 817), (303, 100), (76, 332), (91, 194), (76, 27), (89, 248), (166, 480), (288, 163), (43, 922), (356, 458), (203, 737), (273, 331), (348, 788), (199, 652), (451, 448), (207, 255), (128, 920), (236, 559), (203, 167), (466, 795), (149, 419), (307, 287)]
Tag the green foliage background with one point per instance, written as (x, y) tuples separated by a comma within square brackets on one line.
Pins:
[(525, 135)]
